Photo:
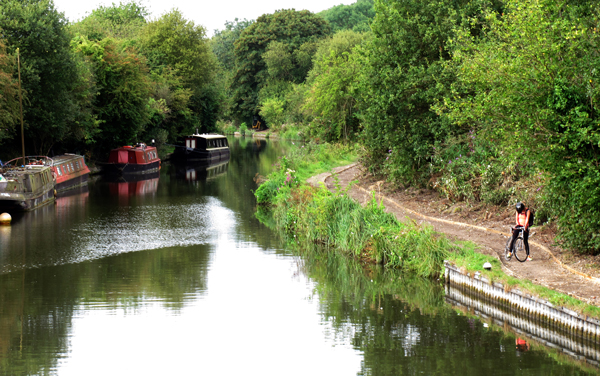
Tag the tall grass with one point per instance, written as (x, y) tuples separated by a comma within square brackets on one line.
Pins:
[(307, 215)]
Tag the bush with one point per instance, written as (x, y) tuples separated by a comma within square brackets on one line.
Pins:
[(243, 129)]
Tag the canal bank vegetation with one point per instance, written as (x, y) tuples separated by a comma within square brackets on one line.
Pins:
[(314, 218), (378, 298), (489, 102)]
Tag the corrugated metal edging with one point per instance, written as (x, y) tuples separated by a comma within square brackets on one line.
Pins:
[(563, 319), (532, 327)]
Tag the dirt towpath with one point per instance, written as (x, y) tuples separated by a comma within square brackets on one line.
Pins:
[(485, 226)]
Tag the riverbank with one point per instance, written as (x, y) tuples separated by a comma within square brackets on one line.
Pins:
[(550, 269)]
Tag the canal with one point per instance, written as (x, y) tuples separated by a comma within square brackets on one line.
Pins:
[(174, 275)]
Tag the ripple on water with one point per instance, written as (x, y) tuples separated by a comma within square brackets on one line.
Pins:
[(150, 227)]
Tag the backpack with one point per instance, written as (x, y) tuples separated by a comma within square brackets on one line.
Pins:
[(531, 216)]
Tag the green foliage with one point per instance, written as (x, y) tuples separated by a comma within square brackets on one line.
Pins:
[(122, 101), (332, 98), (123, 21), (356, 17), (9, 99), (172, 42), (178, 43), (223, 42), (243, 129), (292, 132), (404, 76), (48, 71), (307, 215), (540, 93), (290, 27), (271, 110)]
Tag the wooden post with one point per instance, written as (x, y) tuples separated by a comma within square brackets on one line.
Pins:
[(21, 106)]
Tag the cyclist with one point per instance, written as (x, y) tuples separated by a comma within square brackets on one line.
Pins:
[(522, 219)]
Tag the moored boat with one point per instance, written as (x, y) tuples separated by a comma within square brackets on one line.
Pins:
[(70, 171), (202, 147), (138, 159), (25, 187)]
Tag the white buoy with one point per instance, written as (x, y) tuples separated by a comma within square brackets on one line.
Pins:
[(487, 266), (5, 219)]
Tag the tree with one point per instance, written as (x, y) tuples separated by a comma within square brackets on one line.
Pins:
[(178, 43), (48, 70), (291, 27), (122, 101), (332, 98), (356, 17), (122, 21), (533, 81), (223, 42), (404, 75), (172, 42), (9, 102)]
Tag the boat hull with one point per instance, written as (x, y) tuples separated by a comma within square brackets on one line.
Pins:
[(132, 160), (130, 169), (193, 155), (70, 171), (25, 189)]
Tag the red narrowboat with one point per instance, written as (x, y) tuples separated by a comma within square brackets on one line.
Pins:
[(138, 159), (70, 171)]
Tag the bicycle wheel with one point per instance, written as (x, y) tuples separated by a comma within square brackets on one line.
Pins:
[(507, 248), (519, 250)]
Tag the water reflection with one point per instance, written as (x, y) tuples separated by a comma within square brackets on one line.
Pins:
[(403, 326), (527, 328), (39, 305), (201, 171), (181, 278), (132, 185)]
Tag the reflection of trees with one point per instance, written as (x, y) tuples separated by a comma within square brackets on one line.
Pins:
[(235, 188), (37, 305), (402, 325)]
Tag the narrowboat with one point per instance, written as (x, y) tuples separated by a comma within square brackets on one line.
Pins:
[(127, 160), (70, 172), (202, 147), (27, 186)]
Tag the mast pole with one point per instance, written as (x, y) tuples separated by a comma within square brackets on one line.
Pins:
[(21, 106)]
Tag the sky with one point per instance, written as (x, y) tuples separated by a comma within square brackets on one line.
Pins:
[(210, 14)]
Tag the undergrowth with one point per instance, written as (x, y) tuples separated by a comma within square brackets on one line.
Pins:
[(307, 216)]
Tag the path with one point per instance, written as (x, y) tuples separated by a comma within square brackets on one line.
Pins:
[(548, 268)]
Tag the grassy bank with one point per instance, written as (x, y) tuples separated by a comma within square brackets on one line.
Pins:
[(307, 217)]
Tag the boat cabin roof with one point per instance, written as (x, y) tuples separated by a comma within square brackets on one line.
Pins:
[(66, 157), (206, 136)]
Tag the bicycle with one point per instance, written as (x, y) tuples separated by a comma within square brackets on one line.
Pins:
[(518, 249)]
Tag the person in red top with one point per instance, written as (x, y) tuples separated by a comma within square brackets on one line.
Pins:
[(522, 218)]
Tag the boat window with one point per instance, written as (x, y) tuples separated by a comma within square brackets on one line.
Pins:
[(77, 164), (58, 171), (72, 169)]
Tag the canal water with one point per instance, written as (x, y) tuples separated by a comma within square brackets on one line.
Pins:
[(174, 275)]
